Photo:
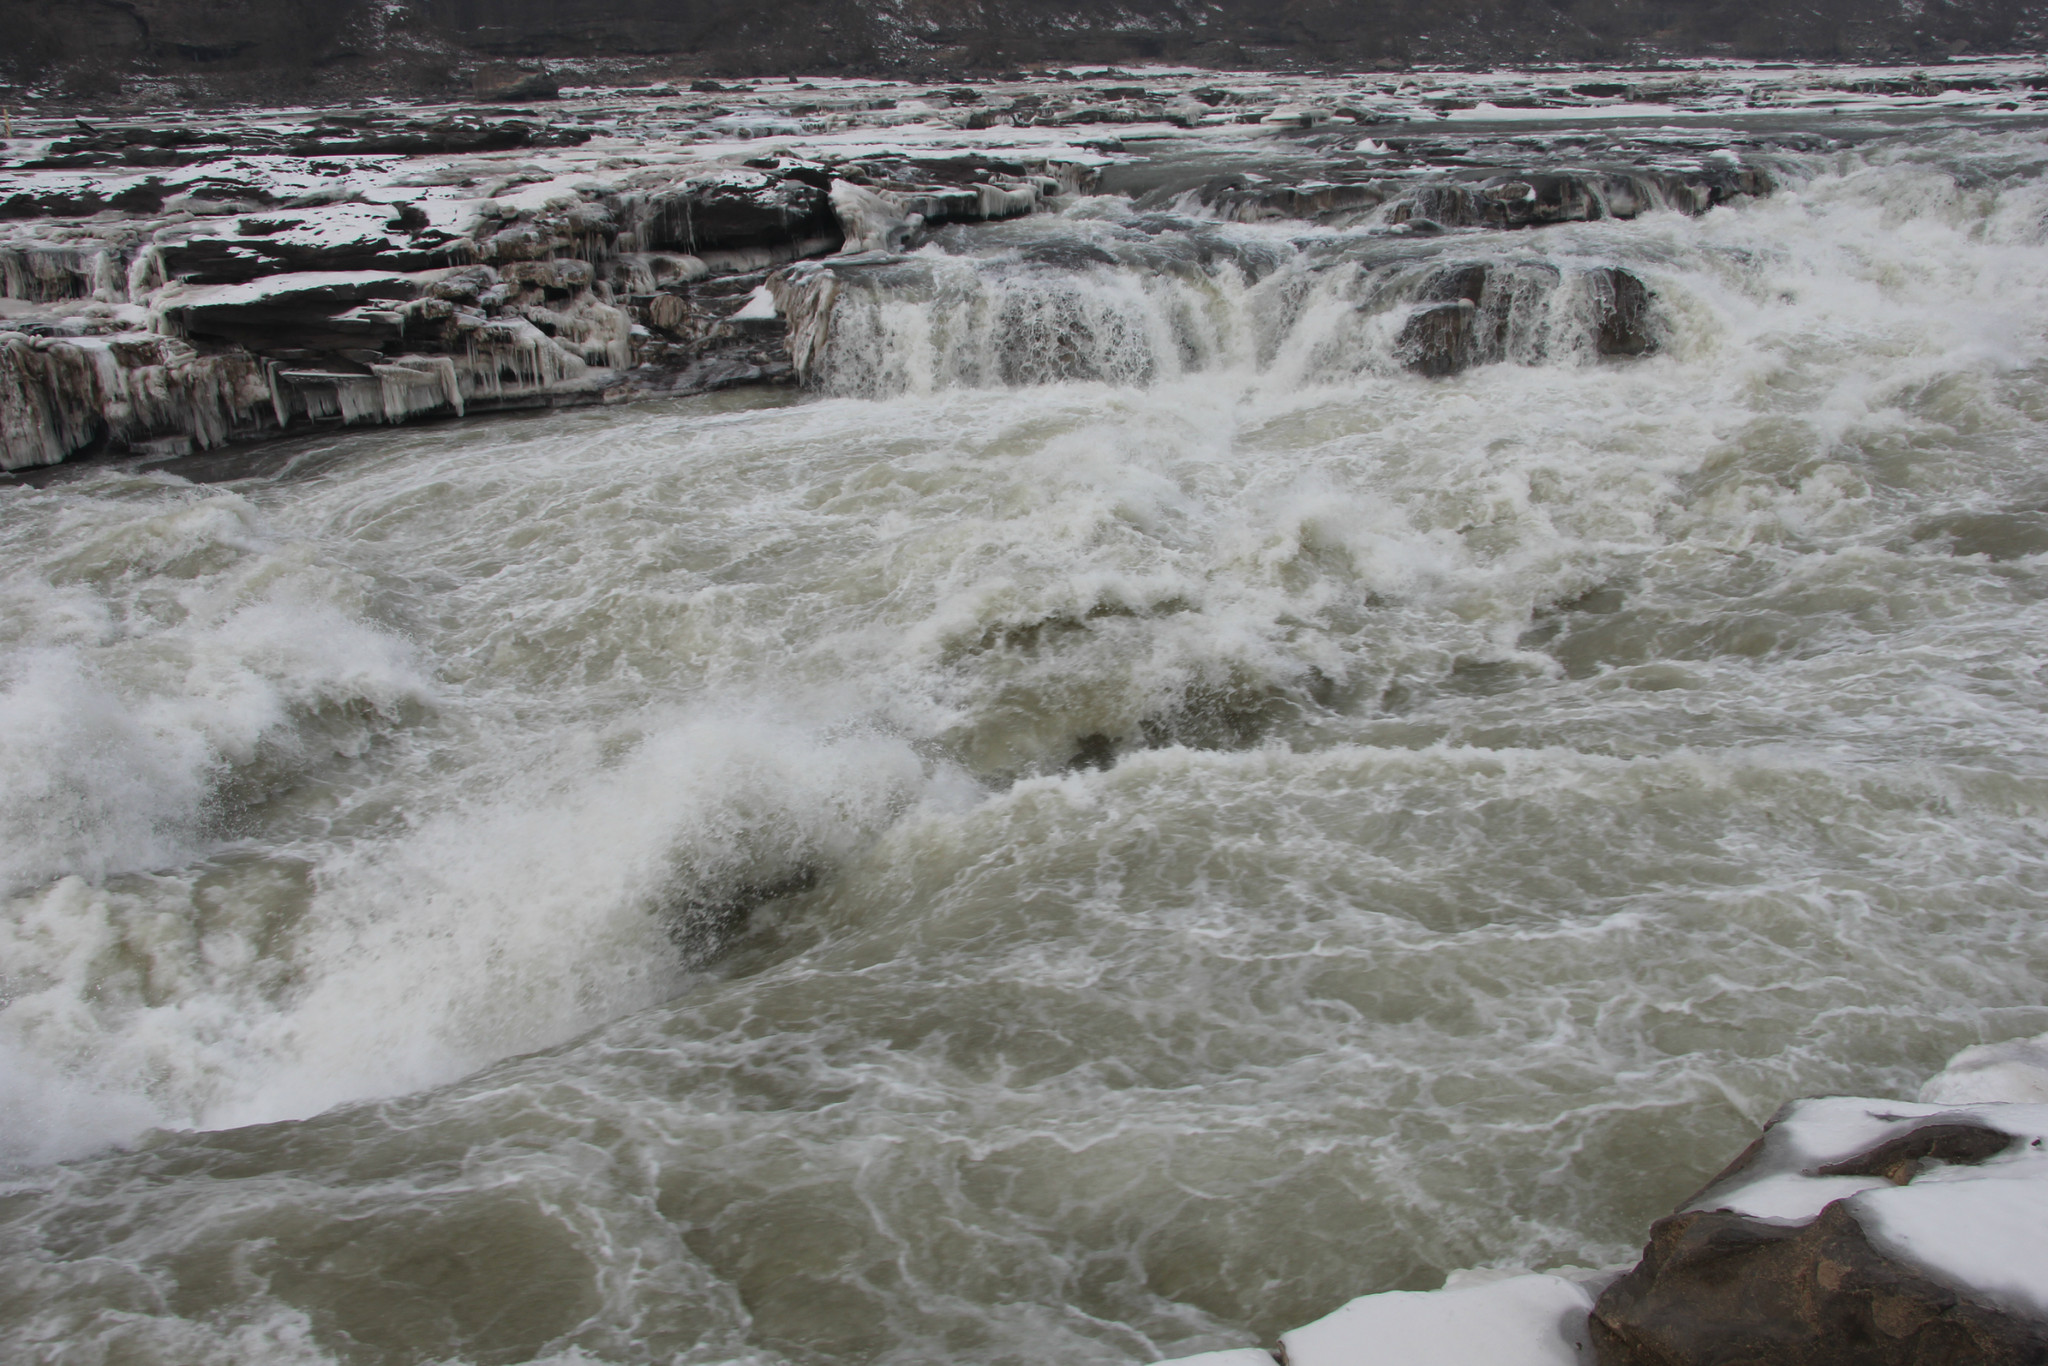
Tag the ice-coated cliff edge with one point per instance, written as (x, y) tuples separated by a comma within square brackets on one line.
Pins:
[(179, 282)]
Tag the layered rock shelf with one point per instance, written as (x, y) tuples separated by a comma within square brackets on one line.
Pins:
[(257, 300), (174, 283)]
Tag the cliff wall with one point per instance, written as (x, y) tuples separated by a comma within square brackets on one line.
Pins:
[(266, 48)]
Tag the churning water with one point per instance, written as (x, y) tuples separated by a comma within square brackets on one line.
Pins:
[(1129, 819)]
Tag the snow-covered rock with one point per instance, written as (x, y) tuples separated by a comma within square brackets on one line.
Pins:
[(1530, 1320), (1852, 1232), (2014, 1071), (1859, 1232)]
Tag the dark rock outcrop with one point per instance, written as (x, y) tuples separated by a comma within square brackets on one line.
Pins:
[(744, 208)]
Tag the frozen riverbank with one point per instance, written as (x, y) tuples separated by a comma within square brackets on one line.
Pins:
[(174, 285)]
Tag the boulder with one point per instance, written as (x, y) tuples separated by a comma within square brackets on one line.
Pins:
[(1851, 1233), (509, 83), (733, 209)]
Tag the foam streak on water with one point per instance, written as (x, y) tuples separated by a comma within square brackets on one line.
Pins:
[(1032, 867)]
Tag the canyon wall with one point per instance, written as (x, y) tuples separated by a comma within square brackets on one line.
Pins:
[(253, 48)]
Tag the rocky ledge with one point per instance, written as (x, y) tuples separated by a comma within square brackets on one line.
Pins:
[(176, 282), (1852, 1232), (236, 299), (170, 285)]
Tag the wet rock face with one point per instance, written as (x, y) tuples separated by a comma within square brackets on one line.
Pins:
[(1469, 314), (1247, 199), (1437, 338), (1622, 308), (1719, 1286), (1538, 199)]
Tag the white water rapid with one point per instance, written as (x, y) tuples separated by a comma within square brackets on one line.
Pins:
[(1117, 821)]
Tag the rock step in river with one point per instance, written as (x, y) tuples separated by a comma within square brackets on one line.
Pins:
[(259, 309)]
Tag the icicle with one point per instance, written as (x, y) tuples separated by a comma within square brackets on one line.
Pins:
[(146, 273), (804, 295), (418, 384), (871, 220)]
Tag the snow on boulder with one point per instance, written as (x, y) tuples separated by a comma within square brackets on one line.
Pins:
[(326, 237), (1852, 1232), (2015, 1071)]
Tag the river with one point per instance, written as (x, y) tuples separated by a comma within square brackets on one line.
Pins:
[(1116, 820)]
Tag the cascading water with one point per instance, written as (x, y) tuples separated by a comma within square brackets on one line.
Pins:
[(1133, 817), (1132, 300)]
